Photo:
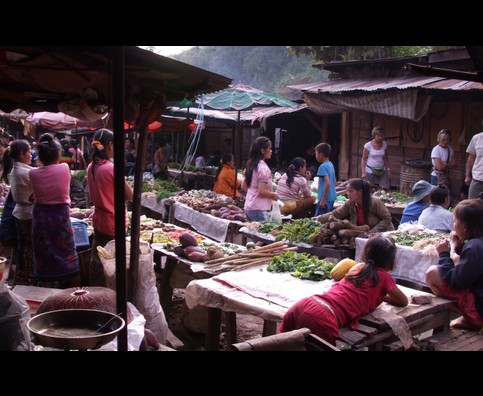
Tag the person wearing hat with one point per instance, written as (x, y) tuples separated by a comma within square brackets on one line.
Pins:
[(421, 191)]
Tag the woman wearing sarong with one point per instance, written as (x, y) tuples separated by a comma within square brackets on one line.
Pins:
[(55, 257)]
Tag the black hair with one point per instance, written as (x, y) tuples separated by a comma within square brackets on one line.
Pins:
[(255, 155), (18, 147), (439, 194), (324, 148), (379, 252), (469, 212), (226, 158), (294, 169), (102, 137), (49, 151)]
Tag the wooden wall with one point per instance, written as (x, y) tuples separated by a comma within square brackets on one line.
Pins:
[(408, 140)]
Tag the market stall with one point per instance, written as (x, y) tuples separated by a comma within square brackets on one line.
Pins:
[(268, 295)]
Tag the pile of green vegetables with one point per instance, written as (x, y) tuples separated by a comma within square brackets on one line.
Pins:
[(300, 230), (162, 188), (301, 265), (406, 239)]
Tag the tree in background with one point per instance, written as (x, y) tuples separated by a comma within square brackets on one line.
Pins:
[(327, 53)]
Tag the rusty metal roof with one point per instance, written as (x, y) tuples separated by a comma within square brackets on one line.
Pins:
[(385, 83)]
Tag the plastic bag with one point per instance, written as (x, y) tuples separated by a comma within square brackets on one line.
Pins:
[(147, 298), (276, 215), (14, 315)]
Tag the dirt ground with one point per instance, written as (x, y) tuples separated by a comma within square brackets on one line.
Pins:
[(189, 326)]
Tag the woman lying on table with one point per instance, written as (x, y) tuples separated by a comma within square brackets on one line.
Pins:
[(460, 278), (360, 292), (362, 209)]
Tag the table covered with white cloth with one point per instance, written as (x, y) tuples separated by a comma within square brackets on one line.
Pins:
[(216, 228), (411, 264)]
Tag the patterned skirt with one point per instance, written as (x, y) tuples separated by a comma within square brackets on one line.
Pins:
[(55, 255)]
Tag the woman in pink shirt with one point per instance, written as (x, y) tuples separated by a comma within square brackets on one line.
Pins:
[(100, 180), (55, 255), (258, 181)]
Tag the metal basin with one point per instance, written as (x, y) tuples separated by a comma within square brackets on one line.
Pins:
[(75, 328)]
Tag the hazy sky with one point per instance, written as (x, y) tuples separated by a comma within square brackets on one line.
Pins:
[(169, 50)]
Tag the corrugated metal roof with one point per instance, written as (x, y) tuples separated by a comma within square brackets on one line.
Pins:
[(384, 83)]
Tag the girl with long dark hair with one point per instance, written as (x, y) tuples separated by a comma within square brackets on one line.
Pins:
[(257, 182), (361, 291)]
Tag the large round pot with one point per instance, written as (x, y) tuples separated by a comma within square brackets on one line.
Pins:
[(95, 297), (75, 328)]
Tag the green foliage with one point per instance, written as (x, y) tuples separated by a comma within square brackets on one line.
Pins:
[(327, 53), (300, 230), (265, 67), (301, 265)]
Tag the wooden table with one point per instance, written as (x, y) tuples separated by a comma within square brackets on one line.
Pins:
[(373, 332), (193, 180), (178, 272)]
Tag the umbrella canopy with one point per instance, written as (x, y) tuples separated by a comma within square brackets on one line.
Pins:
[(62, 121), (242, 97)]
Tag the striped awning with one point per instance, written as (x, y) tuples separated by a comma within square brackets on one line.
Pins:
[(403, 104)]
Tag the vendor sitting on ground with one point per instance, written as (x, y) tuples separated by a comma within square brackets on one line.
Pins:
[(413, 210), (294, 191), (361, 209), (437, 217)]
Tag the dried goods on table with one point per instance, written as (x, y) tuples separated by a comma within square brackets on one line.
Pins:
[(252, 257)]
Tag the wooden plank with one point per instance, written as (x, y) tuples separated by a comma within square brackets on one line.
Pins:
[(456, 340), (475, 344), (351, 337), (366, 329), (462, 342)]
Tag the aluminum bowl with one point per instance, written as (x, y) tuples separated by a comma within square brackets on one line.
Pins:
[(75, 328)]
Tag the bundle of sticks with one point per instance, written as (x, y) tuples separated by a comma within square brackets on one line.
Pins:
[(338, 233), (250, 258)]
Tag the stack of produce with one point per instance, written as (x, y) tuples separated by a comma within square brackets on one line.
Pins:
[(338, 233), (160, 188), (229, 212), (249, 258), (301, 265)]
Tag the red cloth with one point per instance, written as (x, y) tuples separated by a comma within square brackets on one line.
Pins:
[(309, 313), (360, 215), (100, 180), (465, 301), (351, 302), (348, 302)]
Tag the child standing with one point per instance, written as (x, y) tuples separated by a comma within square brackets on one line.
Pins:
[(461, 280), (360, 292), (326, 192)]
